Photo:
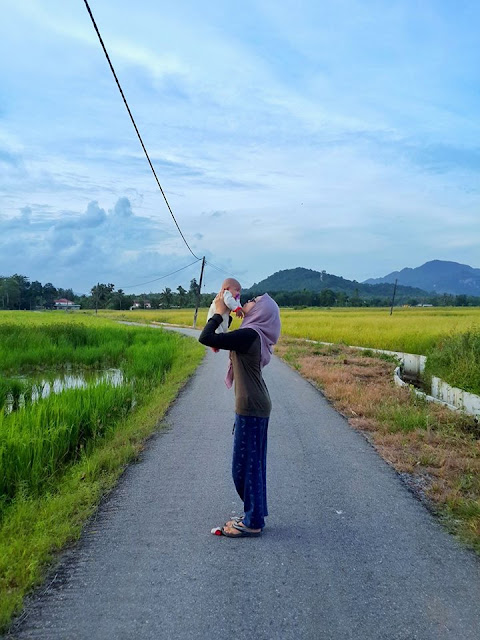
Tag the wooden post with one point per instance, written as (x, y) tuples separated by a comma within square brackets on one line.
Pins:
[(198, 295), (96, 299), (393, 297)]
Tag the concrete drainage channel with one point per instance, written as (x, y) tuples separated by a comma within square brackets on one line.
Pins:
[(411, 366)]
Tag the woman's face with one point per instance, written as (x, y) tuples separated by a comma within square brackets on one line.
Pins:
[(248, 306)]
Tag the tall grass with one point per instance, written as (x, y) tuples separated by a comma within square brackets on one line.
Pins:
[(456, 359), (38, 440)]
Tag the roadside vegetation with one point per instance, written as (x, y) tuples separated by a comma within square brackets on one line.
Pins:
[(59, 454), (456, 359), (435, 450)]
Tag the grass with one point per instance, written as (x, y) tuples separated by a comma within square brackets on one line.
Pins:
[(61, 455), (448, 335), (414, 330), (38, 440), (410, 329), (456, 359), (437, 450), (171, 316)]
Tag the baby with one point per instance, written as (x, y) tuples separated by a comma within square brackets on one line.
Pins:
[(231, 296)]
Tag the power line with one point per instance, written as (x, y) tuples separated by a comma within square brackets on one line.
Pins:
[(217, 268), (135, 126), (132, 286)]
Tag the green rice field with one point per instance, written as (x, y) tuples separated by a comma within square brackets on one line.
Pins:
[(40, 437), (449, 336), (410, 329), (61, 451)]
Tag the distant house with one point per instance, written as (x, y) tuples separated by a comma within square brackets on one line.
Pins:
[(139, 304), (67, 305)]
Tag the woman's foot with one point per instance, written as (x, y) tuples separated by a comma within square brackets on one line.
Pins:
[(234, 520), (234, 529)]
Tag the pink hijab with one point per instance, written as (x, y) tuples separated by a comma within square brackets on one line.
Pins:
[(264, 318)]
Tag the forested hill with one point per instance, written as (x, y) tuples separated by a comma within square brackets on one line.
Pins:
[(440, 276), (300, 279)]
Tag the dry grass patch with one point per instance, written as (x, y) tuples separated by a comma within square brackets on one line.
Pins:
[(436, 451)]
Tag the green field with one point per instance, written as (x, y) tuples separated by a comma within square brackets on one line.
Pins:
[(60, 453), (414, 330), (433, 331)]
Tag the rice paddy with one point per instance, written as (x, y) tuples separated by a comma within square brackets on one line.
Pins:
[(432, 331), (40, 436), (61, 452), (410, 329), (413, 330)]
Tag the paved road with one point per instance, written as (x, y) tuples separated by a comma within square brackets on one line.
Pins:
[(348, 553)]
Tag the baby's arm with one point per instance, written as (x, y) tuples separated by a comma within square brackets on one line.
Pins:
[(232, 304)]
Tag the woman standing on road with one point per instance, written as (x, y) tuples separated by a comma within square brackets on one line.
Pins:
[(250, 350)]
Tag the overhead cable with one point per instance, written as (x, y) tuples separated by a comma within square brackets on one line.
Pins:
[(132, 286), (216, 268), (136, 128)]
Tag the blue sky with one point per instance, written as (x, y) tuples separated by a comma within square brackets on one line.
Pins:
[(340, 135)]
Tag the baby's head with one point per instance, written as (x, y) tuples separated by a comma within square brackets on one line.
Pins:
[(233, 286)]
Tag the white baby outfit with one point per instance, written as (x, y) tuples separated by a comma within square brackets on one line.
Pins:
[(232, 303)]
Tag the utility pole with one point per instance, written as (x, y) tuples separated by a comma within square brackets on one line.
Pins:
[(393, 297), (198, 295), (96, 299)]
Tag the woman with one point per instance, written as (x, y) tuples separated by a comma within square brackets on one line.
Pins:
[(250, 350)]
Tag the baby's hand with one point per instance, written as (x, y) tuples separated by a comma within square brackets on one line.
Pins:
[(239, 313)]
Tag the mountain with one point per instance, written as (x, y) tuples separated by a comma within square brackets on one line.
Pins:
[(439, 276), (300, 278)]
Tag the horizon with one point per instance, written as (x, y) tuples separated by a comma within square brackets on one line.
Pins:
[(256, 283)]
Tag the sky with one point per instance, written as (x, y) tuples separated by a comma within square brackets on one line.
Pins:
[(339, 135)]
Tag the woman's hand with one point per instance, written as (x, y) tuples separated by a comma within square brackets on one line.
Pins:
[(220, 306)]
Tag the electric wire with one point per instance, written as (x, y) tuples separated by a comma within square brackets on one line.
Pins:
[(217, 268), (135, 126), (132, 286), (145, 151)]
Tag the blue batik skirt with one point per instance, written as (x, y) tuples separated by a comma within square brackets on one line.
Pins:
[(249, 467)]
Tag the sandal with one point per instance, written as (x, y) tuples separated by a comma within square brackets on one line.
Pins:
[(234, 520), (243, 532)]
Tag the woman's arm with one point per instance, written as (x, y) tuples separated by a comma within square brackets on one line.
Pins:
[(240, 340)]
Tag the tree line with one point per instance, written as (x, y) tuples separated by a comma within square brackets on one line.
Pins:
[(18, 292), (331, 298)]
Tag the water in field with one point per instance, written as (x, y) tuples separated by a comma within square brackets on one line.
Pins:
[(43, 385)]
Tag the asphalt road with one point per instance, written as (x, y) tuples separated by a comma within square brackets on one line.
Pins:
[(348, 552)]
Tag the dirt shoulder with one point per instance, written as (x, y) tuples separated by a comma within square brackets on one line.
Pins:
[(436, 451)]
